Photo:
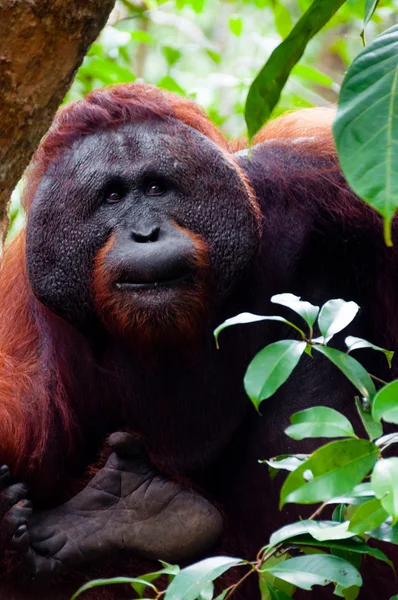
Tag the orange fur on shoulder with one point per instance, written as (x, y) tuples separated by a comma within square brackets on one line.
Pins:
[(315, 123)]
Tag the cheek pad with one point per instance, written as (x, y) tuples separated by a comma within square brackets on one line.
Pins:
[(227, 224), (60, 257)]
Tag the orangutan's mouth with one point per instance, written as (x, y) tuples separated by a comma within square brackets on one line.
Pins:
[(151, 285)]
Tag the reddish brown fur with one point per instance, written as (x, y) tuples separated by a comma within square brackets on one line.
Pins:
[(185, 315), (24, 429), (306, 123), (109, 107)]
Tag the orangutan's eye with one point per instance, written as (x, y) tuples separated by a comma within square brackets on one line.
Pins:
[(114, 197), (155, 189)]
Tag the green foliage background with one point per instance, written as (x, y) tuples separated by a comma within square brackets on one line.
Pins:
[(211, 50)]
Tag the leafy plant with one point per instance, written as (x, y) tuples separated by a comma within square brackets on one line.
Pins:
[(349, 472), (366, 126), (266, 89)]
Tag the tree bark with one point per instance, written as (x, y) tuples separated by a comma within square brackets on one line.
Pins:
[(42, 44)]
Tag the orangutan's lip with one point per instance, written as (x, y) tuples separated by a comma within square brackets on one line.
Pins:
[(151, 285)]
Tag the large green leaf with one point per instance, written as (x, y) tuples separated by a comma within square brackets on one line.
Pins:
[(319, 421), (335, 315), (190, 582), (331, 471), (271, 587), (113, 581), (270, 368), (366, 126), (355, 343), (318, 530), (368, 516), (385, 484), (358, 495), (370, 7), (354, 545), (351, 368), (385, 404), (244, 318), (265, 90), (385, 533), (307, 311), (317, 569)]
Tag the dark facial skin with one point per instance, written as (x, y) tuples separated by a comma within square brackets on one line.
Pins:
[(148, 188)]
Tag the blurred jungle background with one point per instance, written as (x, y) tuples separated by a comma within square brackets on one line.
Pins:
[(211, 50)]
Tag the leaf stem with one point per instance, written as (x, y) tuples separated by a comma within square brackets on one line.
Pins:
[(378, 379), (233, 587), (318, 511)]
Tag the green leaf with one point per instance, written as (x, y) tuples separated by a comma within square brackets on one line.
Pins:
[(307, 311), (370, 7), (270, 586), (169, 83), (143, 37), (285, 461), (385, 533), (372, 427), (105, 70), (384, 481), (339, 513), (274, 593), (235, 25), (358, 495), (208, 592), (270, 368), (189, 583), (334, 468), (335, 315), (197, 5), (265, 90), (354, 343), (319, 421), (172, 55), (351, 545), (366, 126), (317, 569), (385, 403), (314, 75), (350, 593), (113, 581), (367, 516), (318, 530), (215, 56), (351, 368), (283, 20), (140, 585), (246, 317)]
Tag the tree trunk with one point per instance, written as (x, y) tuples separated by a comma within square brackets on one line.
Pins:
[(42, 44)]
